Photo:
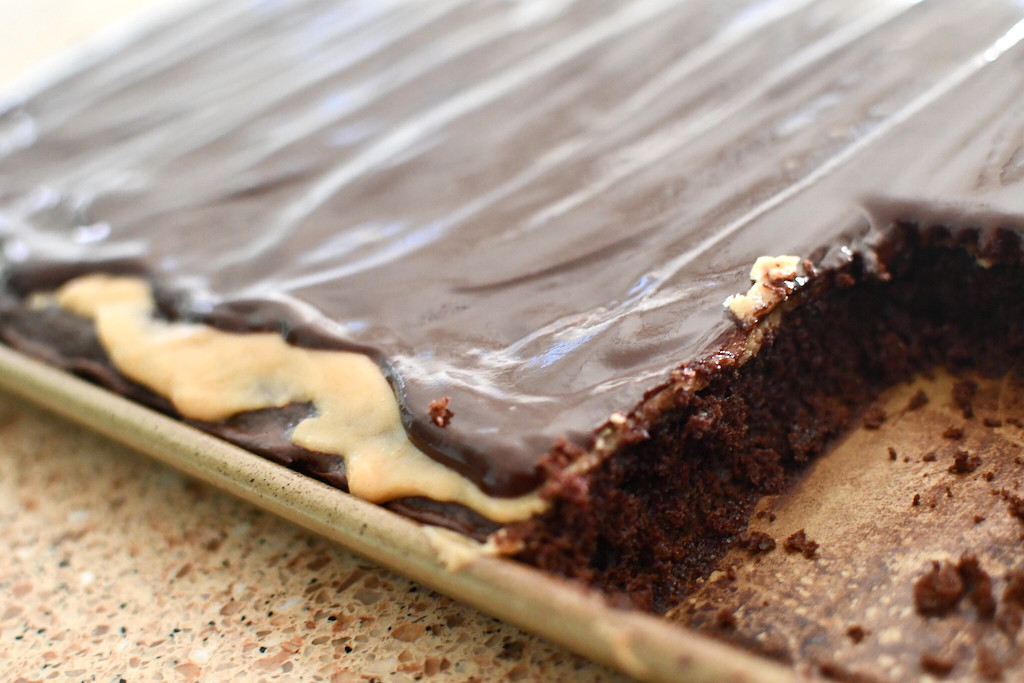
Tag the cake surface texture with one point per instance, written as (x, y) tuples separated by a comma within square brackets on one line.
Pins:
[(490, 263)]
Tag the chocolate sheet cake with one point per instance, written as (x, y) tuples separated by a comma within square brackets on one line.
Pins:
[(490, 264)]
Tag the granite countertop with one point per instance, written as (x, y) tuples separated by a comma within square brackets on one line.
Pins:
[(119, 568)]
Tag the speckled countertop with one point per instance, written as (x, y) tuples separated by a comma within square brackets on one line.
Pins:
[(119, 568)]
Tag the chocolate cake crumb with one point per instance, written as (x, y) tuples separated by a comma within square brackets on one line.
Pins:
[(949, 492), (1015, 504), (756, 542), (1014, 591), (978, 519), (874, 418), (978, 585), (930, 456), (725, 619), (892, 454), (992, 422), (856, 633), (954, 433), (917, 500), (831, 671), (988, 665), (834, 671), (918, 400), (989, 476), (939, 591), (936, 665), (799, 543), (439, 413), (963, 396), (964, 462)]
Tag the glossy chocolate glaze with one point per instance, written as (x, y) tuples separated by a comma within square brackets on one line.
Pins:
[(534, 208)]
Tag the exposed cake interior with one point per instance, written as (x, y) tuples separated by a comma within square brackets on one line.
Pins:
[(652, 519)]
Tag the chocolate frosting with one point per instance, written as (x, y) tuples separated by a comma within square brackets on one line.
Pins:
[(533, 208)]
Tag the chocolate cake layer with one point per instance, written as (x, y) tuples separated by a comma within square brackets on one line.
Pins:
[(533, 209)]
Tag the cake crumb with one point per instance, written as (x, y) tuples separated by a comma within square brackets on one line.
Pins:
[(831, 671), (439, 413), (939, 591), (954, 433), (930, 456), (989, 476), (725, 619), (964, 462), (799, 543), (1015, 504), (856, 633), (988, 665), (917, 500), (992, 422), (936, 665), (892, 454), (978, 519), (918, 400), (874, 418), (1014, 591), (978, 585), (963, 396), (1015, 421), (756, 542)]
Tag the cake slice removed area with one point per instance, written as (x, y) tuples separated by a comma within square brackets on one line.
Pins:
[(886, 507)]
